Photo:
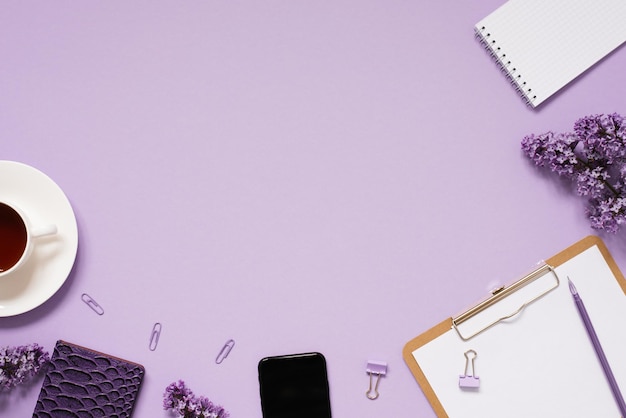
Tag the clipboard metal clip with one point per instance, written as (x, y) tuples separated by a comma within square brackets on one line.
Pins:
[(500, 294)]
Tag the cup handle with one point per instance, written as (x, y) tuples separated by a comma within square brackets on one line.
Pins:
[(44, 231)]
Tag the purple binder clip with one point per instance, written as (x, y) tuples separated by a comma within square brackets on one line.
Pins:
[(375, 368), (470, 381)]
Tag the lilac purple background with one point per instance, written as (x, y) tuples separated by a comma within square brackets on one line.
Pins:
[(298, 176)]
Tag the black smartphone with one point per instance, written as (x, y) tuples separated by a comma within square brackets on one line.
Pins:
[(294, 386)]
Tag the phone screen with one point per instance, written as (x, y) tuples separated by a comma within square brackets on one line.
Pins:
[(294, 386)]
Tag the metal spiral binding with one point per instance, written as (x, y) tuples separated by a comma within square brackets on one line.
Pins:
[(515, 78)]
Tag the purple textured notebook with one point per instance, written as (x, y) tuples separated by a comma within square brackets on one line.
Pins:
[(81, 382)]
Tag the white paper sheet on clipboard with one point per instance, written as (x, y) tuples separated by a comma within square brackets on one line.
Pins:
[(540, 362)]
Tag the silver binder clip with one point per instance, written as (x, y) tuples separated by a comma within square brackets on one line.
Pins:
[(154, 336), (375, 368), (469, 381), (91, 302)]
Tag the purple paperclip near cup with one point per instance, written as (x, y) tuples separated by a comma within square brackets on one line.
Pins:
[(470, 381), (91, 302)]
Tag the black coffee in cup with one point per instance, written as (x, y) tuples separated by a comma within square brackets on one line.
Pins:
[(13, 237)]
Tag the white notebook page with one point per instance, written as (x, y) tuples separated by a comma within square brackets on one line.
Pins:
[(542, 45), (541, 363)]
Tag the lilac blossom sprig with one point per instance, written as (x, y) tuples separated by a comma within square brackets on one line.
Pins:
[(181, 399), (593, 156), (19, 364)]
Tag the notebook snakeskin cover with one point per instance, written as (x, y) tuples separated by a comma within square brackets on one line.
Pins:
[(81, 382)]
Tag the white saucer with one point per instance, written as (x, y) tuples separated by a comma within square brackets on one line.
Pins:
[(53, 257)]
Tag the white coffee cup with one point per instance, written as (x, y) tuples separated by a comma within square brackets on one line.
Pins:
[(17, 237)]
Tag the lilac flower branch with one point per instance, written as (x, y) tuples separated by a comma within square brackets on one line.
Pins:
[(594, 157), (180, 399), (19, 364)]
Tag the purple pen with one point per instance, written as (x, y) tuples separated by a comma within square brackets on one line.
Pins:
[(598, 348)]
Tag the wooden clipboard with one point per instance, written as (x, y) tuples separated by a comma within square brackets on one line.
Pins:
[(444, 327)]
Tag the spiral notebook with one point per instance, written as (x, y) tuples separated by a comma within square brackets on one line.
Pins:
[(523, 351), (542, 45)]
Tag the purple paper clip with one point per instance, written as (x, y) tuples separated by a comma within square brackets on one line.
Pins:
[(225, 351), (375, 368), (470, 381), (91, 302), (154, 336)]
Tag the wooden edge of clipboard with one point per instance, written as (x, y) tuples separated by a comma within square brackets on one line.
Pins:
[(407, 353), (581, 246), (446, 325)]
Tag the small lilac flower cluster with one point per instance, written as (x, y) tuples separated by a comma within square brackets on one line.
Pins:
[(181, 399), (18, 364), (594, 158)]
